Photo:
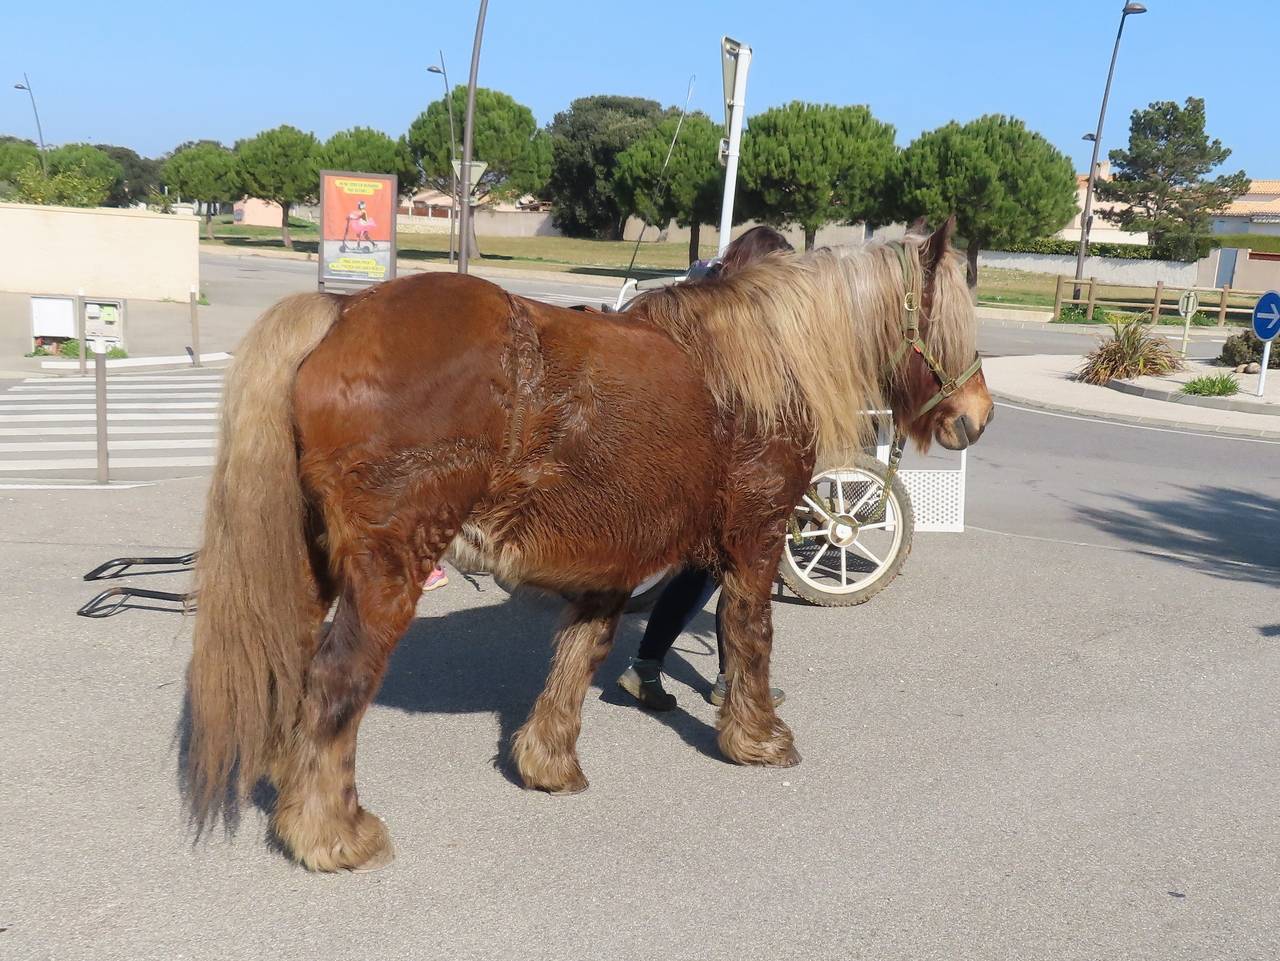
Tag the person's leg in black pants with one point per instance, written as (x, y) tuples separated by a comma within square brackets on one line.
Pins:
[(677, 605), (682, 598)]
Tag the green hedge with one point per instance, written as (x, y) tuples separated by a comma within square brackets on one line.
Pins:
[(1266, 242), (1056, 245)]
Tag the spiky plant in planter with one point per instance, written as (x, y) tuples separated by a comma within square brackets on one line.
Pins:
[(1132, 351)]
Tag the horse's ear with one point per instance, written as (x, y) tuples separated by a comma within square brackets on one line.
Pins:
[(918, 226), (938, 244)]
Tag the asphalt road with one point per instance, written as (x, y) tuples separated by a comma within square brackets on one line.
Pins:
[(1054, 736)]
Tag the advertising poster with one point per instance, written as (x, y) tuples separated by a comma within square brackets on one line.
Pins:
[(357, 228)]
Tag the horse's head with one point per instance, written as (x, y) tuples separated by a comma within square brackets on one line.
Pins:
[(937, 389)]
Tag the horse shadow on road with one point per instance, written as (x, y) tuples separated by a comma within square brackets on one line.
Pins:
[(1224, 532), (494, 659)]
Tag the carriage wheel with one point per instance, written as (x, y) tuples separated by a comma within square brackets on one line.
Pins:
[(841, 551)]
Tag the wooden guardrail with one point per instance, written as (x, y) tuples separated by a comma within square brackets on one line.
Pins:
[(1085, 292)]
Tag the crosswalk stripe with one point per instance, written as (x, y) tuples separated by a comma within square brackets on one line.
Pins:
[(118, 429), (89, 463), (63, 446), (34, 391), (5, 406), (157, 421), (57, 382), (65, 418), (113, 399)]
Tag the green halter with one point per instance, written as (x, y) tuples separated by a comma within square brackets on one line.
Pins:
[(911, 340)]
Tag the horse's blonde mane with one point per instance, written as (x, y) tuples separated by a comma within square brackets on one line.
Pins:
[(804, 339)]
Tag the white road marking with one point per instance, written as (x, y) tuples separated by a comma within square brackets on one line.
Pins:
[(89, 463), (62, 446), (1116, 423)]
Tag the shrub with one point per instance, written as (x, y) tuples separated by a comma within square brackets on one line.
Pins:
[(1056, 245), (1198, 319), (1077, 314), (1212, 385), (1132, 351), (1244, 348), (70, 348)]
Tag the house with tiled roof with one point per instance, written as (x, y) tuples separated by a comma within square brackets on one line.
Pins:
[(1102, 230), (1254, 212)]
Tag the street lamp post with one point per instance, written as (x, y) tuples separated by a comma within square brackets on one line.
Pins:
[(468, 133), (1086, 216), (26, 85), (453, 152)]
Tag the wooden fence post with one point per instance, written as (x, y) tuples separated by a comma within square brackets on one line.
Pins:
[(1222, 305), (1155, 307), (1093, 295), (1057, 299)]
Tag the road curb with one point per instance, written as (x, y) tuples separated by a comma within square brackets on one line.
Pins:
[(1097, 330), (1177, 397), (1136, 421)]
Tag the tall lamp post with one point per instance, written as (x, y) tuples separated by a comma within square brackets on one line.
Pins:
[(453, 150), (26, 85), (468, 132), (1086, 216)]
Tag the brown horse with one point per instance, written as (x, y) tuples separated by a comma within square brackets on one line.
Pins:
[(364, 435)]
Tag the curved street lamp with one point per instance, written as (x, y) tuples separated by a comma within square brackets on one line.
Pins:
[(1086, 216), (26, 85), (468, 131), (453, 153)]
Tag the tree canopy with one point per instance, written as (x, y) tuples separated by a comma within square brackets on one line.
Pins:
[(91, 161), (1162, 179), (815, 164), (693, 187), (207, 172), (15, 154), (139, 176), (506, 138), (1004, 183), (71, 186), (280, 165), (365, 150), (586, 140)]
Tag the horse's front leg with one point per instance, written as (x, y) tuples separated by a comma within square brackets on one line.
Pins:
[(545, 749), (750, 730)]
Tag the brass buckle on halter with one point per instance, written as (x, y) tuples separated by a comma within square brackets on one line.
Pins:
[(947, 389), (909, 303)]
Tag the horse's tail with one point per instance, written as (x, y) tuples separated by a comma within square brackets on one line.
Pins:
[(255, 584)]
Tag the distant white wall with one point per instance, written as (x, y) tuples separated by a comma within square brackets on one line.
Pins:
[(104, 251), (1109, 270)]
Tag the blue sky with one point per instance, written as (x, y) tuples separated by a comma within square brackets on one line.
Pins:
[(150, 75)]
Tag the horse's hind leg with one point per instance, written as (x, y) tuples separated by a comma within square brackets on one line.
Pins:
[(318, 816), (750, 730), (545, 748)]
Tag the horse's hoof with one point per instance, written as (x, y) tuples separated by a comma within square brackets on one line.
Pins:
[(376, 861), (791, 759), (577, 787)]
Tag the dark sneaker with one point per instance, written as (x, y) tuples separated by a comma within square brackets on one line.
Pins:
[(721, 691), (643, 681)]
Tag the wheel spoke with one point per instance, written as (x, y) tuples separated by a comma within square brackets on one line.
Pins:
[(818, 507), (873, 527), (839, 497), (816, 557), (871, 489), (805, 535), (870, 556), (844, 567)]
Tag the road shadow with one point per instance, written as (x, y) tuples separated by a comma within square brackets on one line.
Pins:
[(494, 659), (1221, 531)]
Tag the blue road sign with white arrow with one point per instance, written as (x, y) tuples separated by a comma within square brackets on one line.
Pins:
[(1266, 315)]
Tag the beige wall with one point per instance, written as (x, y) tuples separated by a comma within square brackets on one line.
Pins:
[(252, 212), (1259, 274), (103, 251)]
